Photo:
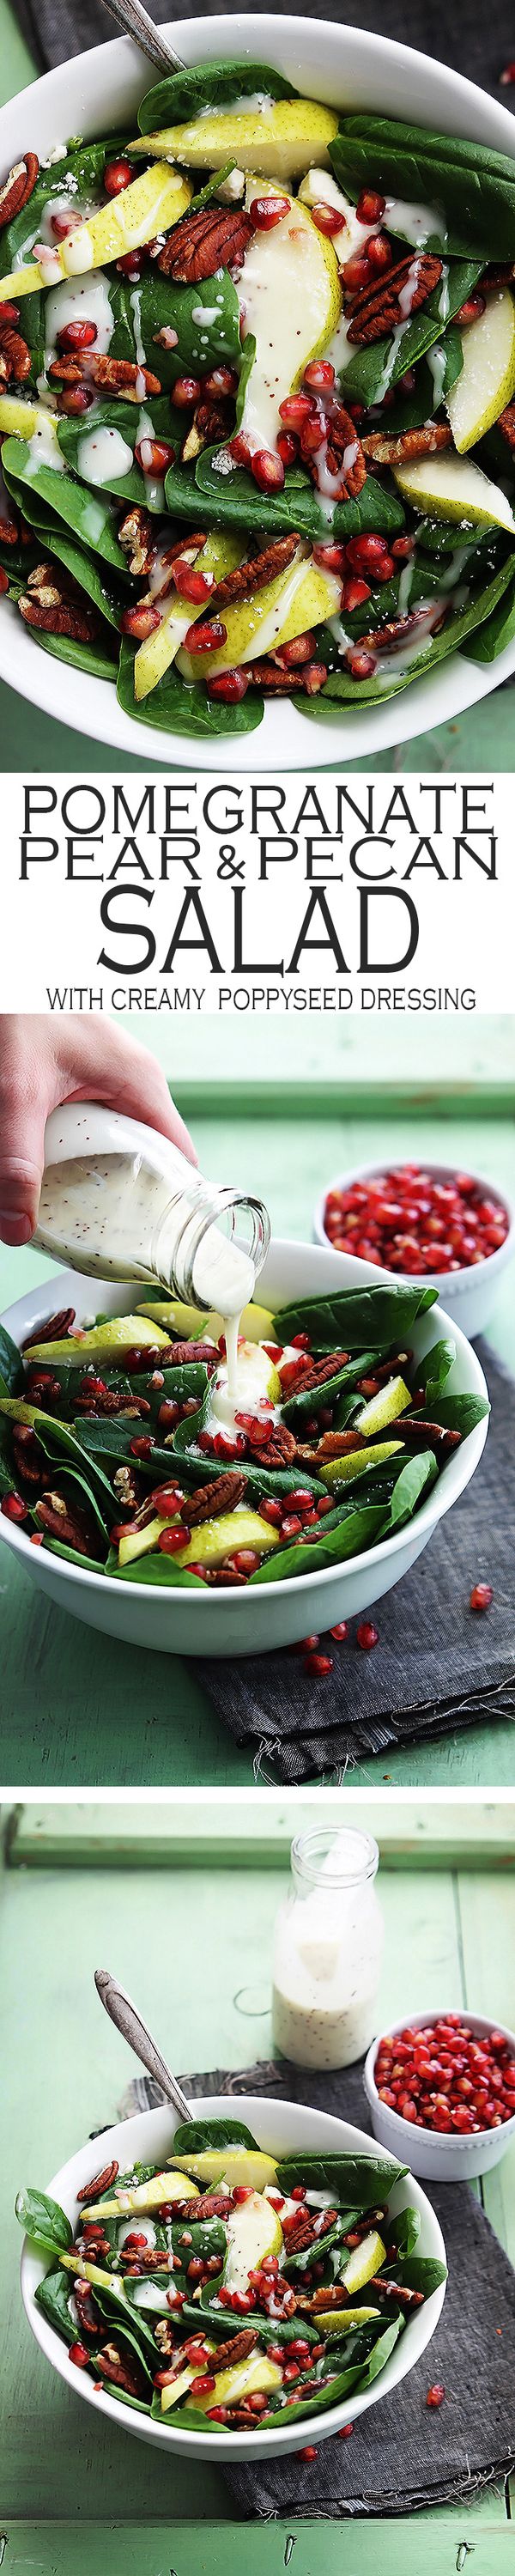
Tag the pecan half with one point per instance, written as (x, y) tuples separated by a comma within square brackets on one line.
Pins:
[(237, 2349), (412, 444), (29, 1457), (301, 2236), (276, 682), (428, 1435), (211, 422), (344, 453), (100, 2182), (221, 1495), (334, 1444), (212, 2204), (506, 423), (53, 1515), (123, 2374), (397, 296), (57, 606), (136, 536), (15, 358), (260, 568), (398, 630), (56, 1329), (111, 375), (17, 188), (87, 2311), (319, 1372), (396, 2290), (178, 1354), (277, 1452), (204, 242), (315, 2301)]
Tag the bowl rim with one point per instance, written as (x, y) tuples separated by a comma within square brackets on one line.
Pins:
[(442, 2141), (429, 702), (432, 1511), (252, 2107), (467, 1271)]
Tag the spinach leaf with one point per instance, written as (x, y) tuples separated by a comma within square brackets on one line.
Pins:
[(194, 2136), (271, 2330), (176, 709), (422, 2272), (234, 499), (43, 2220), (88, 514), (125, 417), (53, 2296), (158, 1569), (474, 185), (157, 302), (401, 2235), (419, 1473), (104, 594), (355, 1317), (11, 1363), (78, 175), (497, 632), (356, 1531), (342, 689), (455, 1413), (375, 369), (95, 659), (313, 1398), (356, 2181), (183, 95), (432, 1372)]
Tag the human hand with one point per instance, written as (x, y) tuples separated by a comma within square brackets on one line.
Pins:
[(44, 1062)]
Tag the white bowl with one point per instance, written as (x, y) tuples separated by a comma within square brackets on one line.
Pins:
[(469, 1295), (278, 2127), (438, 2157), (258, 1618), (350, 68)]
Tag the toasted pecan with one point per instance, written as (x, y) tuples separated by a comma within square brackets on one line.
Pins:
[(117, 376), (29, 1458), (412, 444), (344, 453), (276, 681), (60, 617), (135, 534), (204, 242), (220, 1495), (237, 2349), (320, 1371), (397, 630), (212, 422), (54, 1516), (17, 188), (99, 2182), (252, 575), (56, 1329), (178, 1354), (15, 358), (335, 1444), (377, 310), (87, 2311), (122, 2374), (276, 1452), (506, 423)]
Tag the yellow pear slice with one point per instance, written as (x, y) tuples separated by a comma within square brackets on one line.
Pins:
[(125, 1333), (342, 1471), (291, 294), (487, 379), (450, 487), (253, 2230), (278, 142), (21, 420), (364, 2263), (342, 2321), (302, 597), (233, 2165), (192, 1323), (154, 2194), (219, 555), (243, 2380), (210, 1541), (393, 1399), (152, 204)]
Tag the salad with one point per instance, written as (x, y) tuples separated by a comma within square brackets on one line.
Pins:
[(257, 402), (122, 1449), (233, 2288)]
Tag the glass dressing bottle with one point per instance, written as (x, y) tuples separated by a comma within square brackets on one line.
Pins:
[(328, 1941), (120, 1201)]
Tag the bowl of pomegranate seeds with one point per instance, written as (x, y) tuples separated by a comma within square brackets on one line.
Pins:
[(441, 2089), (424, 1221)]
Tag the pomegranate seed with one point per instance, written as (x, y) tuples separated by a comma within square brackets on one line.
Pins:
[(153, 455), (265, 212), (319, 375), (268, 470), (73, 400), (78, 2354), (481, 1596), (436, 2394), (368, 555), (291, 1526), (140, 622), (185, 392), (141, 1448), (331, 557), (507, 76), (370, 207), (173, 1538), (319, 1665), (367, 1635), (222, 381), (203, 2387), (9, 313), (361, 665), (77, 335), (327, 218), (245, 1561), (242, 2191), (300, 650), (308, 2453), (132, 2243), (206, 636), (345, 2432), (313, 434), (192, 584), (295, 409), (131, 265), (287, 446), (340, 1632), (117, 176), (231, 686), (240, 450), (13, 1507), (379, 254), (470, 311), (354, 594)]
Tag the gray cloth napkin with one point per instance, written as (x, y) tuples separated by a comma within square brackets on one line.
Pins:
[(476, 45), (404, 2457), (438, 1665)]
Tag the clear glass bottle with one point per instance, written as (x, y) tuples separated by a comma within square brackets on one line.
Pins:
[(328, 1941), (120, 1201)]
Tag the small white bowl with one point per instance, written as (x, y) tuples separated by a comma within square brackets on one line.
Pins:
[(279, 2127), (258, 1618), (469, 1295), (351, 68), (438, 2157)]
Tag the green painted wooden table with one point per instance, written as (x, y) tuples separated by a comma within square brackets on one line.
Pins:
[(482, 739), (450, 1923), (84, 1708)]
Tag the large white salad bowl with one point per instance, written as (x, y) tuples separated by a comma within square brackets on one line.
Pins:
[(279, 2127), (256, 1619), (97, 93)]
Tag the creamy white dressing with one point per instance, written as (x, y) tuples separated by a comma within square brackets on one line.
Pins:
[(86, 302), (406, 584), (144, 2227), (409, 290), (444, 296), (327, 1957), (43, 448), (460, 558), (154, 487), (390, 360), (320, 189), (402, 656), (436, 360), (256, 104), (102, 455), (417, 224), (148, 2294)]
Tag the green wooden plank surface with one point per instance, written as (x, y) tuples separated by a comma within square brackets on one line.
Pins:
[(247, 2550), (207, 1832), (97, 1712), (68, 2069)]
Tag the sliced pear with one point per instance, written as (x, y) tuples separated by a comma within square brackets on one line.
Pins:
[(319, 188), (217, 1539), (140, 1542), (302, 597), (451, 488), (194, 1324), (21, 419), (253, 2230), (392, 1400), (277, 142), (229, 2164), (161, 2188), (342, 2321), (342, 1471), (364, 2263), (152, 204), (242, 2381), (219, 555), (125, 1333), (291, 293), (487, 380)]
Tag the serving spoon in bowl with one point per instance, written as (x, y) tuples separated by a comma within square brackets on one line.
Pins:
[(128, 2020), (135, 21)]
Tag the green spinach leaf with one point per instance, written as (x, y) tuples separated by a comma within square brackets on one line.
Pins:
[(185, 94)]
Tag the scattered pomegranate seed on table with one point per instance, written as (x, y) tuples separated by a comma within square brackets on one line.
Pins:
[(507, 76), (446, 2076), (367, 1635), (318, 1665), (411, 1220), (345, 2432), (481, 1596), (309, 2452), (436, 2394)]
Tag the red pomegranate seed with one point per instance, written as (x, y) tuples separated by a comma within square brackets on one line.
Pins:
[(340, 1632), (368, 555), (185, 392), (265, 212), (239, 449), (481, 1596), (153, 455), (222, 381), (362, 667), (117, 176), (367, 1635), (173, 1538), (77, 335), (345, 2432), (206, 637), (327, 219), (354, 594), (507, 76), (309, 2452), (204, 2386), (370, 207), (470, 311), (140, 622), (287, 446), (379, 254), (193, 584), (436, 2394), (78, 2354), (319, 375), (356, 272), (131, 264), (295, 409), (231, 686), (141, 1448), (318, 1665), (13, 1507), (268, 470), (73, 400)]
